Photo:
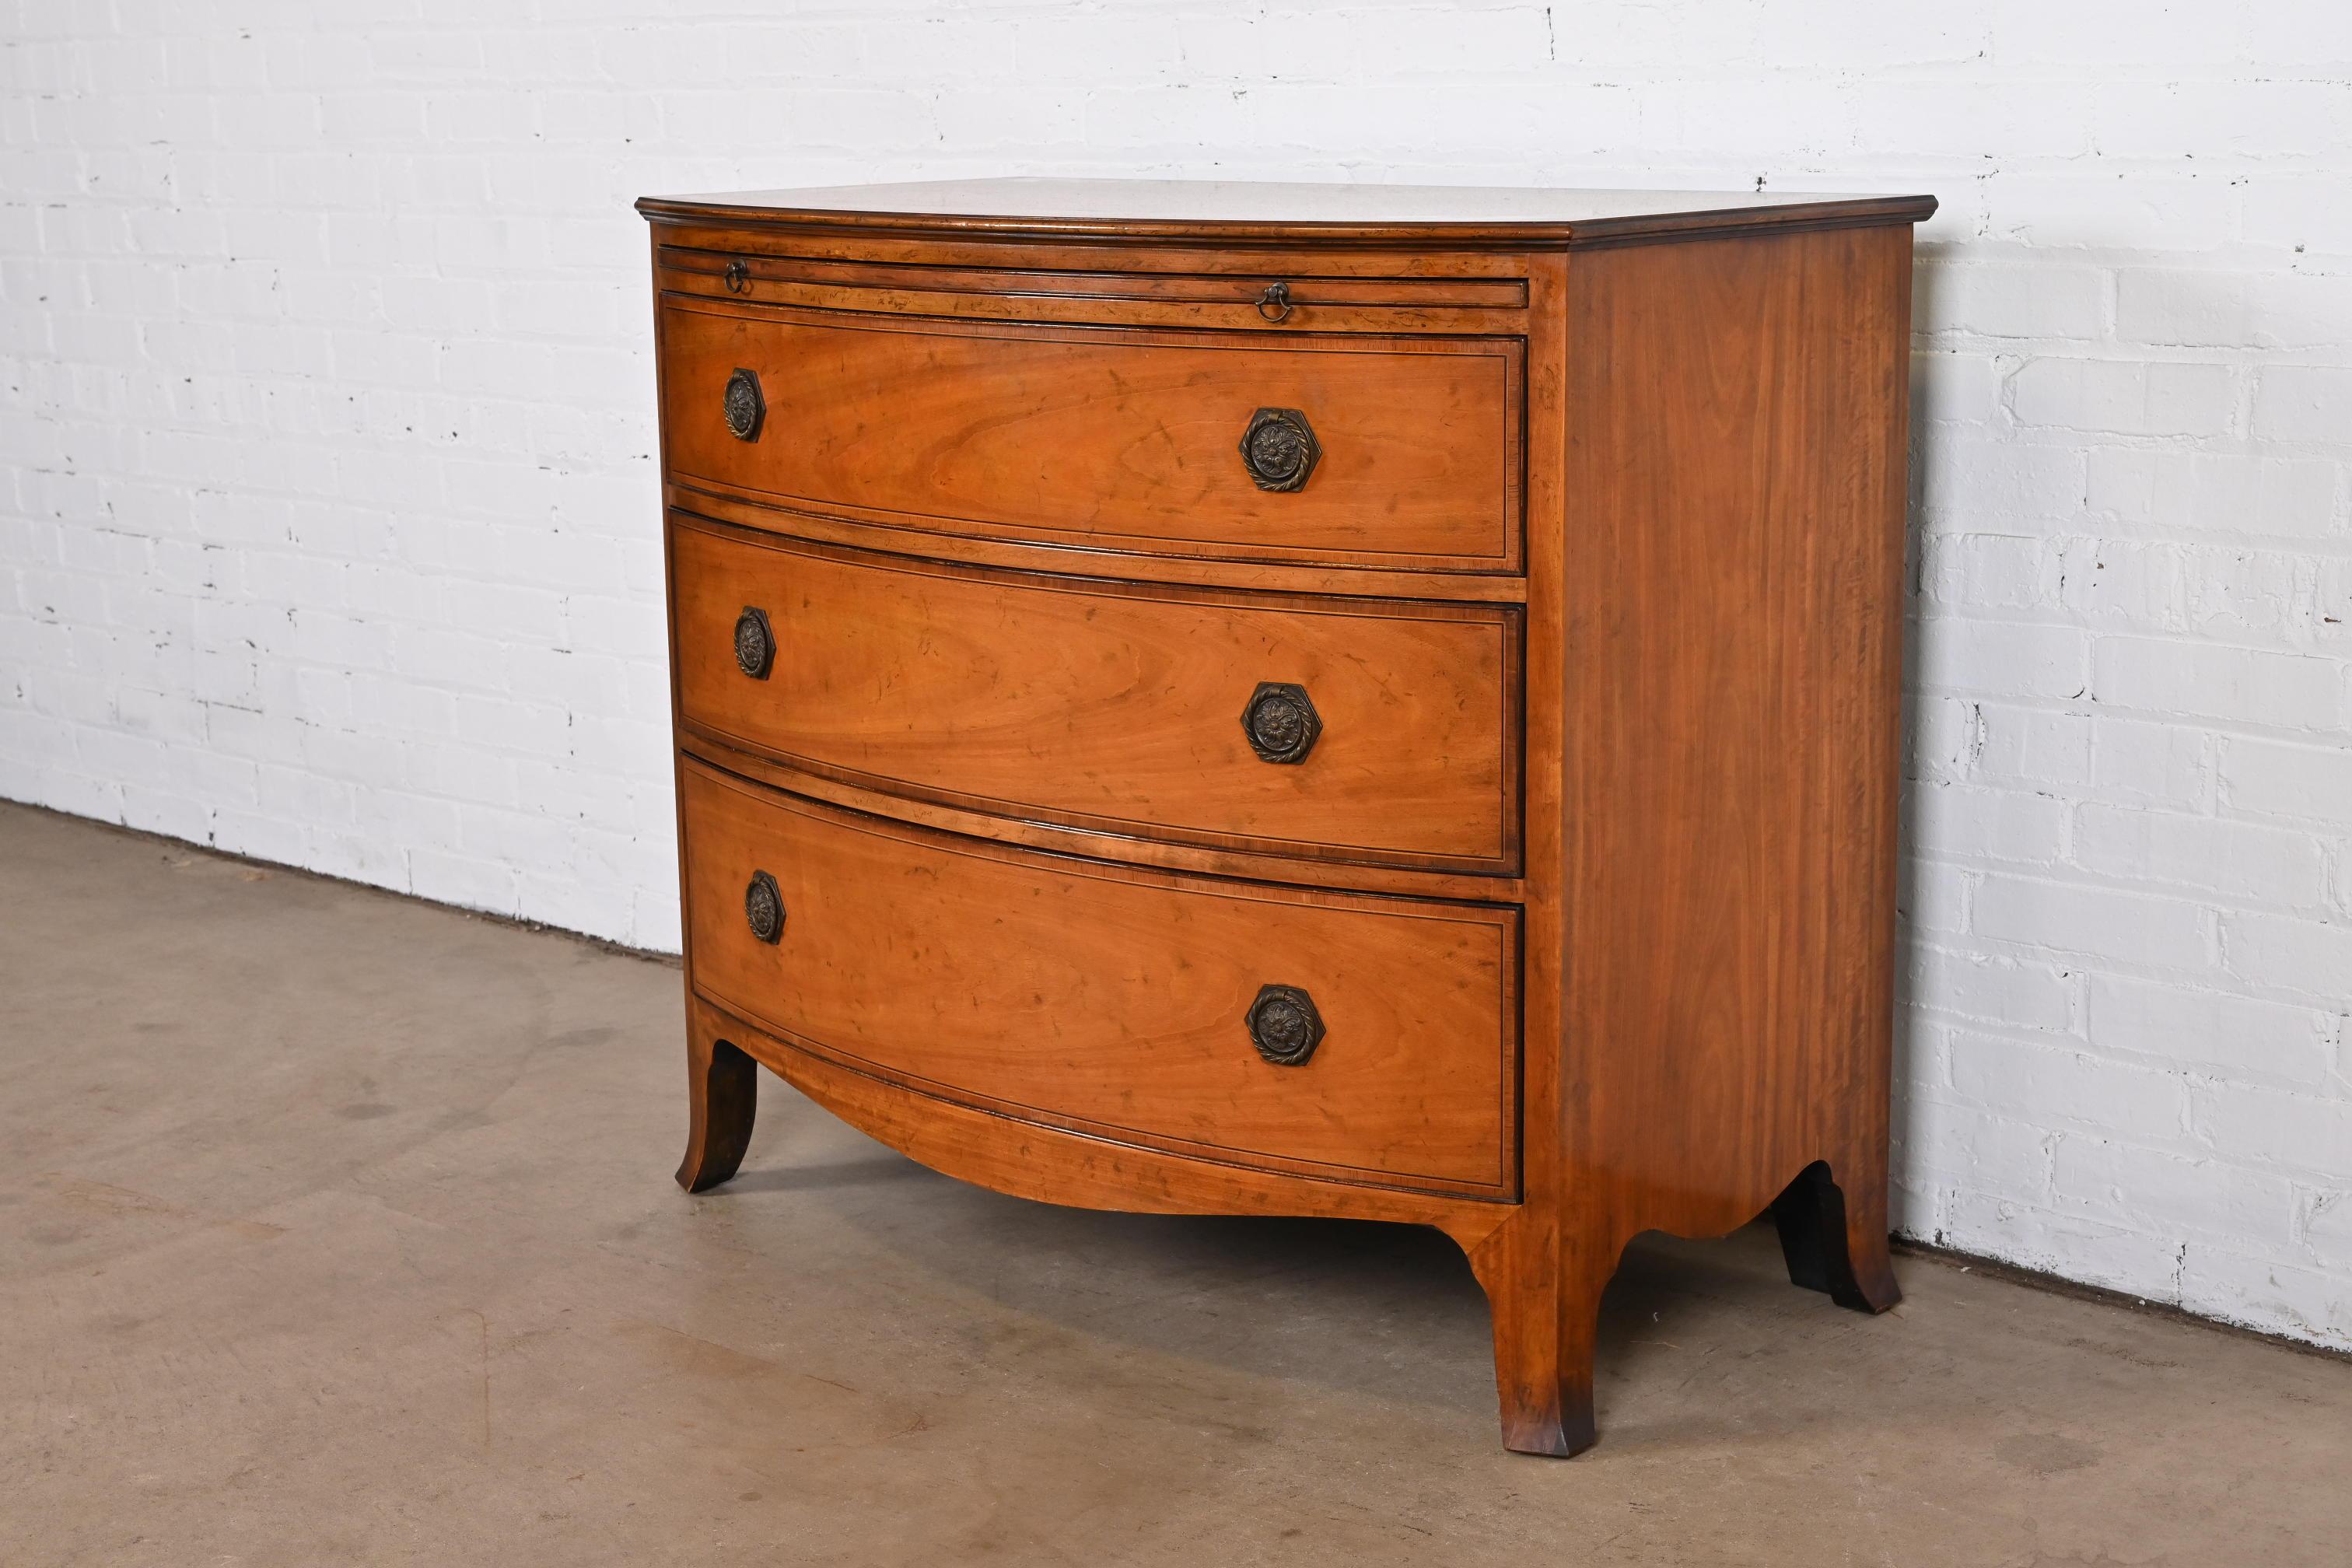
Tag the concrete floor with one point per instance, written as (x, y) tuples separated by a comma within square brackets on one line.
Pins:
[(338, 1229)]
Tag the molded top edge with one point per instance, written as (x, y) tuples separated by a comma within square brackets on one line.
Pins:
[(1231, 209)]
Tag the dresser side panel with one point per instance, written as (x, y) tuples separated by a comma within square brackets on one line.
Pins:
[(1734, 542)]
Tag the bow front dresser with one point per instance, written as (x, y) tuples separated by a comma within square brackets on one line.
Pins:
[(1367, 701)]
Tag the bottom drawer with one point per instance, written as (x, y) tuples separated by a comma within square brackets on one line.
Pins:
[(1357, 1038)]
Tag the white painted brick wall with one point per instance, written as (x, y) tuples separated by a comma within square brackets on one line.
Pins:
[(327, 495)]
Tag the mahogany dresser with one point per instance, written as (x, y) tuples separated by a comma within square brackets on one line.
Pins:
[(1303, 699)]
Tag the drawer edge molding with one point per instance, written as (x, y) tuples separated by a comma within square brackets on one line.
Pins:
[(1107, 836), (761, 512), (1008, 300), (1023, 274), (1082, 843)]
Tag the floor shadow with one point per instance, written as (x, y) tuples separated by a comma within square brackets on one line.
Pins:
[(1389, 1311), (860, 1173)]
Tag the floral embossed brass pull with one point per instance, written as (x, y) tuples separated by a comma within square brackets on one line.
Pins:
[(744, 405), (755, 643), (763, 908), (1281, 723), (1279, 449), (1284, 1024)]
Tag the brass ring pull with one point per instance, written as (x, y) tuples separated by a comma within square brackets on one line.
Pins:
[(1274, 304), (737, 276)]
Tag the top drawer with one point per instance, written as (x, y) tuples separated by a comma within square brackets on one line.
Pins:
[(1263, 296), (1401, 453)]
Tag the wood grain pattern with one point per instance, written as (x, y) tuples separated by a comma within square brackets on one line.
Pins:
[(896, 533), (1112, 707), (1103, 253), (1128, 846), (1031, 284), (1223, 303), (1736, 451), (1114, 998), (1674, 1012), (1055, 1164), (1125, 439), (1734, 430)]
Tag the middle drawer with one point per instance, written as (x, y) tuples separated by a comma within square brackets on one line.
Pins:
[(1374, 730)]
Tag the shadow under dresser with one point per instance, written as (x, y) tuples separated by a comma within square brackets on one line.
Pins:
[(1352, 700)]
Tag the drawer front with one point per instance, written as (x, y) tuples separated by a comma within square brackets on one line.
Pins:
[(1120, 707), (1128, 1002), (1263, 298), (1108, 439)]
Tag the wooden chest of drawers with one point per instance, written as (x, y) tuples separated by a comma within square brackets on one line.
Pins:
[(1294, 699)]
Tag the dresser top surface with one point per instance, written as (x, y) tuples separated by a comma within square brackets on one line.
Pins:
[(1246, 209)]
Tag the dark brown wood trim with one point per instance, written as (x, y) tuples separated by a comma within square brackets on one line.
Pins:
[(1153, 850), (1862, 213), (938, 542)]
